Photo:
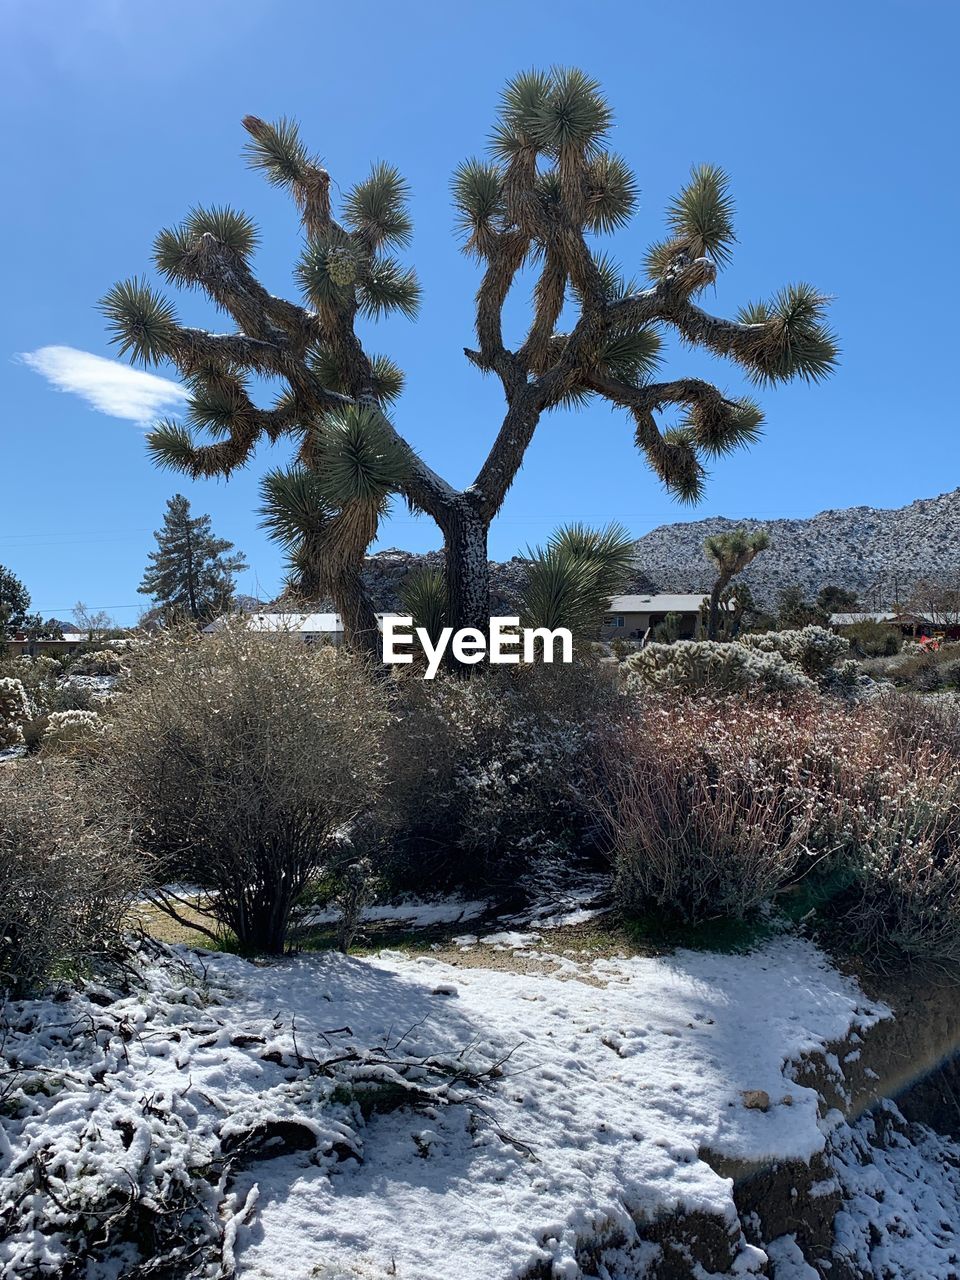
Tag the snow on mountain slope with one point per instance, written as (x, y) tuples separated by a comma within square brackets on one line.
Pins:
[(874, 552)]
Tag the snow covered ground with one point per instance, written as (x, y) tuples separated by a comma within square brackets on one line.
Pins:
[(540, 1113)]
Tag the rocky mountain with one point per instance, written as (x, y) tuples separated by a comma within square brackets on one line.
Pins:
[(878, 553), (385, 571)]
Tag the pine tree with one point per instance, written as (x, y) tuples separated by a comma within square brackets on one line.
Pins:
[(549, 188), (190, 575), (730, 553), (14, 602)]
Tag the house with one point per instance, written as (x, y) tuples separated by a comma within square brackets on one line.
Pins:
[(312, 628), (631, 617), (20, 645), (910, 624)]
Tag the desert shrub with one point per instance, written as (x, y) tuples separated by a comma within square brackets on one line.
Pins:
[(905, 854), (15, 711), (705, 666), (706, 804), (814, 650), (248, 766), (100, 662), (870, 639), (71, 732), (65, 884), (489, 772), (712, 805)]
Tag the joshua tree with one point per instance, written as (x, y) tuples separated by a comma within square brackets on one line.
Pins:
[(730, 553), (549, 188)]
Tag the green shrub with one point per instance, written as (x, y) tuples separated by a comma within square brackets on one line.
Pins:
[(248, 766), (870, 639), (489, 772), (65, 885)]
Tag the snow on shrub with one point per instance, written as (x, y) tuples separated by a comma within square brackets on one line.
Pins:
[(815, 650), (714, 804), (71, 731), (489, 772), (15, 711), (695, 666), (101, 662), (63, 894)]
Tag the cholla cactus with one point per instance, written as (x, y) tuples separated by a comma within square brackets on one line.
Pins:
[(695, 666), (69, 731), (102, 662), (15, 711), (814, 650)]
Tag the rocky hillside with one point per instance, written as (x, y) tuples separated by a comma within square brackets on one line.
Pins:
[(385, 572), (877, 553)]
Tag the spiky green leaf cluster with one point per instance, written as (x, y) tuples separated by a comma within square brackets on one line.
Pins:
[(520, 104), (795, 341), (333, 269), (140, 321), (423, 595), (276, 150), (570, 582), (610, 550), (377, 208), (214, 404), (552, 113), (228, 226), (701, 216), (676, 461), (170, 446), (388, 378), (357, 457), (632, 355), (388, 286), (477, 196), (293, 506), (317, 268), (611, 193), (720, 426)]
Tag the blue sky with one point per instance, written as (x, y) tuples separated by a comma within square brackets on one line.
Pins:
[(836, 123)]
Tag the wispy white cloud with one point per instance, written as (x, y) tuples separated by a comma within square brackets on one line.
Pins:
[(108, 385)]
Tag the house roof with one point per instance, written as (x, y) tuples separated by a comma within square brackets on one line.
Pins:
[(305, 623), (659, 603), (851, 619), (313, 624)]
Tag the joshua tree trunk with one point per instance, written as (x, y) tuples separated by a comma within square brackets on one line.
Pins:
[(713, 623), (352, 601), (466, 569)]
